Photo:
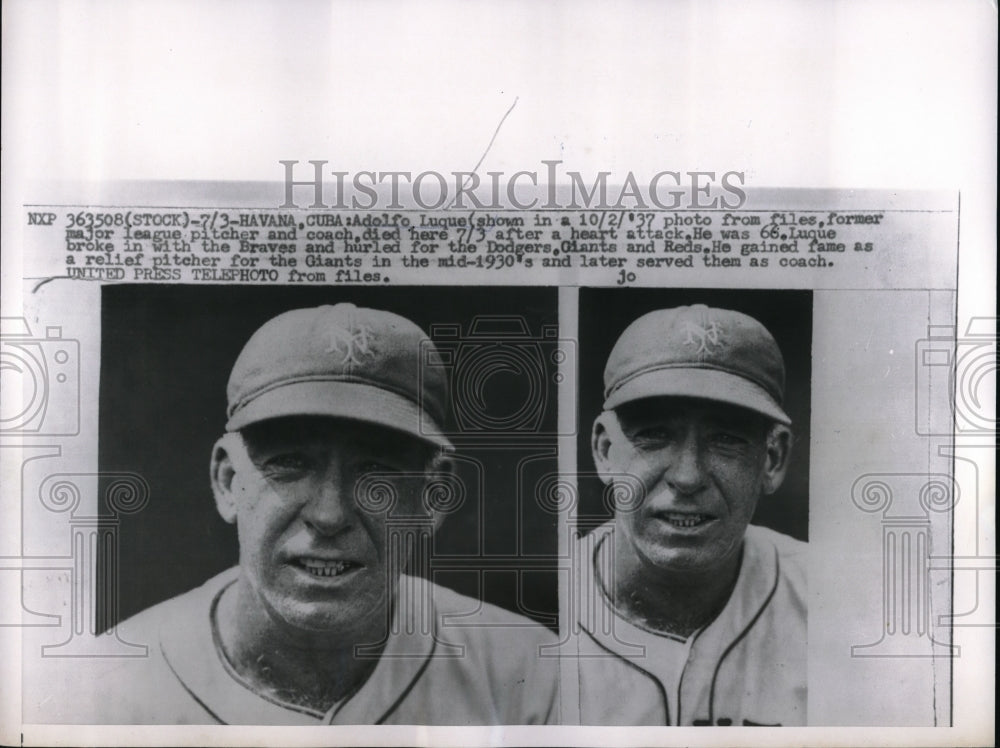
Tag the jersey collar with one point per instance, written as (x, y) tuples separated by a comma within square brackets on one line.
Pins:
[(756, 582), (186, 641)]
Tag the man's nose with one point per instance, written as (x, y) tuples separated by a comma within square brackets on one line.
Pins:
[(685, 473), (331, 506)]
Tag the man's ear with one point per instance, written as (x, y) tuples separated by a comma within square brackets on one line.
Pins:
[(222, 474), (438, 487), (602, 438), (778, 455)]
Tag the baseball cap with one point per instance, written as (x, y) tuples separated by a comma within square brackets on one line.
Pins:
[(701, 352), (342, 361)]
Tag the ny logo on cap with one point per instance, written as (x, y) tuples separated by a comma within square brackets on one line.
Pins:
[(704, 337), (352, 344)]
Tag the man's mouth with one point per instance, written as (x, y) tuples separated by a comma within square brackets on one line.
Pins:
[(685, 520), (322, 568)]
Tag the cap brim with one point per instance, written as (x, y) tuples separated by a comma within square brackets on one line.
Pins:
[(702, 383), (337, 399)]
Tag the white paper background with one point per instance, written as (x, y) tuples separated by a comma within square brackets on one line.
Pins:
[(896, 95)]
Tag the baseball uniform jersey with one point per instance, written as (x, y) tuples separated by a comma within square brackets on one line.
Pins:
[(746, 667), (450, 660)]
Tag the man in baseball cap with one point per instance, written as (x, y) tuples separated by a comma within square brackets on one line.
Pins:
[(707, 613), (334, 452)]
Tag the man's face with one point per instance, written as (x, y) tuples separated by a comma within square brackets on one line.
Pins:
[(699, 467), (313, 540)]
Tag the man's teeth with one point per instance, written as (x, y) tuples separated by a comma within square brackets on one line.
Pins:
[(326, 568), (685, 520)]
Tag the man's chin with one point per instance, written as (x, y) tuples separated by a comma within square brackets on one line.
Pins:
[(671, 559), (354, 602), (690, 559), (325, 621)]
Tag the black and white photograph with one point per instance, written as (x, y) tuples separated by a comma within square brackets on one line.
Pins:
[(333, 531), (693, 515), (498, 374)]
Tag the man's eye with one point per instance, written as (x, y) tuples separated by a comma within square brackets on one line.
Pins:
[(652, 434), (286, 464), (727, 439)]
